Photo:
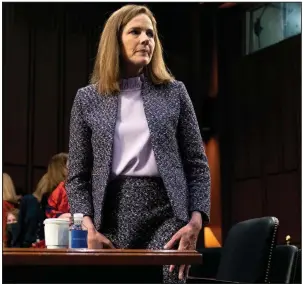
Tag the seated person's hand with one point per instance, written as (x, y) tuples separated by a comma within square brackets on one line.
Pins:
[(96, 240), (67, 216)]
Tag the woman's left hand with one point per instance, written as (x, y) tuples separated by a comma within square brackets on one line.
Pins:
[(187, 237)]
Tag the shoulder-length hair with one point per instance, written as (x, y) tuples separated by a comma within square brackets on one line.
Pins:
[(106, 73), (56, 173), (57, 169), (9, 192), (42, 188)]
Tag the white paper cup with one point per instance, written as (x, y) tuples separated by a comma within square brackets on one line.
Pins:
[(56, 233)]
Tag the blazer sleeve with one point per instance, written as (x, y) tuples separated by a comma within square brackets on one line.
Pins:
[(78, 184), (193, 155)]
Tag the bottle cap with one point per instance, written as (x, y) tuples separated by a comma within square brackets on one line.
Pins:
[(78, 216)]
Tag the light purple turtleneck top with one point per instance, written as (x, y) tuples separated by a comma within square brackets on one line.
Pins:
[(132, 154)]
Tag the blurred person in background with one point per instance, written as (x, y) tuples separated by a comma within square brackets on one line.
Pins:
[(33, 206), (10, 201), (11, 228), (12, 216), (57, 203)]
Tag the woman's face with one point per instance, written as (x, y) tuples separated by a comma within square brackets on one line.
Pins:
[(11, 218), (137, 43)]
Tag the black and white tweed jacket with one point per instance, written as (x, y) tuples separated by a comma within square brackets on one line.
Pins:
[(175, 138)]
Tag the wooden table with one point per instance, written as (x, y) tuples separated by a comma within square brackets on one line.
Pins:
[(90, 266)]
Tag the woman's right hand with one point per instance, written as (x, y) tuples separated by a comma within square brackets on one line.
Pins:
[(96, 240)]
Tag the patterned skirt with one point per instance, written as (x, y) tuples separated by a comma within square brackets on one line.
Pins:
[(137, 214)]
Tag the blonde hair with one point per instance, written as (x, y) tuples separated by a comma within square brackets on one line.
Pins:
[(42, 187), (9, 192), (57, 169), (56, 173), (106, 73)]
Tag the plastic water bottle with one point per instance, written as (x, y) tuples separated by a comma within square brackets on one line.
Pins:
[(77, 236)]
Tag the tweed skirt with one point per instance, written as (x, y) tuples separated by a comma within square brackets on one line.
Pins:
[(137, 214)]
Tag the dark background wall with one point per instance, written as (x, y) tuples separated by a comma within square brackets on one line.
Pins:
[(260, 129), (48, 53)]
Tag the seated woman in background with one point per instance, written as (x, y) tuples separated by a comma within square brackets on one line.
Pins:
[(10, 201), (33, 206), (31, 215), (11, 228), (57, 204)]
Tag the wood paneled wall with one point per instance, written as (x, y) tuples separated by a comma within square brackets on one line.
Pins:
[(267, 130), (45, 64), (260, 137)]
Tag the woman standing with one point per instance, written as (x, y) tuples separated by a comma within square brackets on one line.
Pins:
[(138, 170)]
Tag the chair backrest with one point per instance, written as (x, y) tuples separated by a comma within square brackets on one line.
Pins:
[(247, 251), (297, 276), (284, 261)]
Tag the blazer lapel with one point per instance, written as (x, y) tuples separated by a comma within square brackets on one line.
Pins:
[(161, 116), (154, 104), (150, 103), (107, 115)]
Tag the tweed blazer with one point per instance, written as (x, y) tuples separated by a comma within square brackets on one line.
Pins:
[(175, 139)]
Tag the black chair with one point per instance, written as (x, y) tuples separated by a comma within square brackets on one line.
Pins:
[(285, 267), (247, 253), (297, 276), (284, 262), (211, 261)]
